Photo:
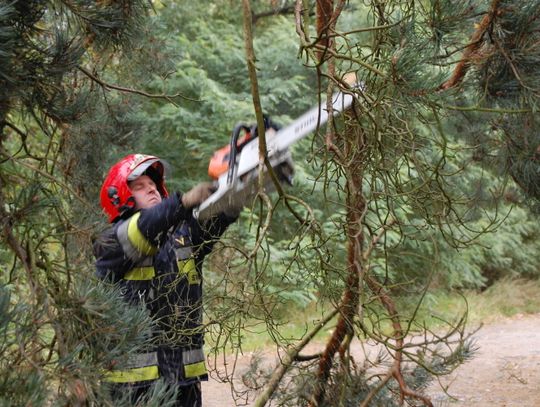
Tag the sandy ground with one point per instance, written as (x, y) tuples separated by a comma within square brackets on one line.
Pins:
[(504, 372)]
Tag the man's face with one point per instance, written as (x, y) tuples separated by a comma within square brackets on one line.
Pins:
[(145, 192)]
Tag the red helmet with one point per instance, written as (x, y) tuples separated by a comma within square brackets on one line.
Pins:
[(116, 197)]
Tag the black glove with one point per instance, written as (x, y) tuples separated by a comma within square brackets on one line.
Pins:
[(197, 195)]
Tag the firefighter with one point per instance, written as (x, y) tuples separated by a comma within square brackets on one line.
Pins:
[(154, 252)]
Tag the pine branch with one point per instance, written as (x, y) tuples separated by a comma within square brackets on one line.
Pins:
[(24, 138), (135, 91), (50, 177), (469, 53), (486, 109)]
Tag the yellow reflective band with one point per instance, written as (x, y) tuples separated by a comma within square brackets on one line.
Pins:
[(140, 273), (195, 370), (137, 239), (188, 268), (138, 374)]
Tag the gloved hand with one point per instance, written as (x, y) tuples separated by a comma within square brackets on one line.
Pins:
[(198, 194)]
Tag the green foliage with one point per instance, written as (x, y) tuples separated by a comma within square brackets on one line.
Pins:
[(509, 73), (99, 332), (503, 233), (60, 126), (21, 384), (421, 192), (507, 251), (94, 329), (425, 172), (211, 72)]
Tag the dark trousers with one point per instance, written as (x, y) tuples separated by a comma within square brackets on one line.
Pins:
[(186, 396), (189, 396)]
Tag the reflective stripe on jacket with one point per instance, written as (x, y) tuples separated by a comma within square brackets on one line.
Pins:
[(140, 367), (133, 241), (193, 361)]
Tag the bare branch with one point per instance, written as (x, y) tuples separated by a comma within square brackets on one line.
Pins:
[(288, 359), (135, 91)]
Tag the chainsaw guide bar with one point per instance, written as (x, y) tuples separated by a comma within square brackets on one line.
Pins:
[(239, 189)]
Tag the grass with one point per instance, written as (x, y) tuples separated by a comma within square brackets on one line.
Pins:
[(289, 328), (504, 299)]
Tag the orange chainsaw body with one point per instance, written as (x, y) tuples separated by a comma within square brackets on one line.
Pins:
[(219, 163)]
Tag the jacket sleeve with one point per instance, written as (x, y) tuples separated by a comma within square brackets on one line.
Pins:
[(143, 233), (205, 235), (111, 262)]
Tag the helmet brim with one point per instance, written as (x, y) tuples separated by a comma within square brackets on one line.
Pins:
[(141, 168)]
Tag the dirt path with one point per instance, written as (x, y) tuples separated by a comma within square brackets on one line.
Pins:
[(505, 371)]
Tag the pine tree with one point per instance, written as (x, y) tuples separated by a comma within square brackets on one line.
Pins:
[(398, 169), (445, 116), (59, 125)]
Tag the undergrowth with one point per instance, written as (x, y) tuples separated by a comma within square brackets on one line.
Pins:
[(506, 298)]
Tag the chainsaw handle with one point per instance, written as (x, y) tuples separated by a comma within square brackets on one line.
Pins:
[(234, 149)]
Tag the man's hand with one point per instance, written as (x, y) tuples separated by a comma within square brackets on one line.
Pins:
[(198, 194)]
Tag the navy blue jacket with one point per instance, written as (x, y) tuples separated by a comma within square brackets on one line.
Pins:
[(156, 258)]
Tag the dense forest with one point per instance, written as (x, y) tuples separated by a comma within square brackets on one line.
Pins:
[(428, 182)]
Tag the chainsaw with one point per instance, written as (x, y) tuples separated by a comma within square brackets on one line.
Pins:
[(235, 167)]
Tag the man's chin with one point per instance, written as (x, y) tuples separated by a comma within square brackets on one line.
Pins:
[(152, 202)]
